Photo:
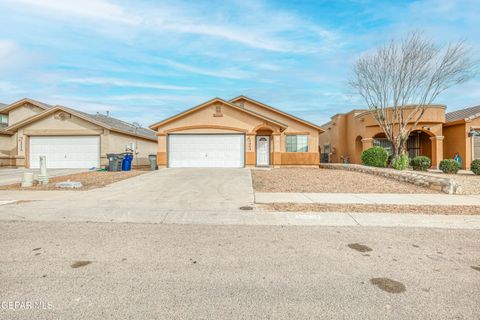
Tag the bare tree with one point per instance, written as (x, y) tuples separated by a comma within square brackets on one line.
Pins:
[(402, 78)]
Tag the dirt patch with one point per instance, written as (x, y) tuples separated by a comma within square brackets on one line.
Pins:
[(79, 264), (314, 208), (89, 180), (328, 180), (475, 268), (388, 285), (359, 247)]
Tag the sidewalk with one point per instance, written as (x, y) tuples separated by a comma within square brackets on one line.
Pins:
[(161, 213), (369, 198)]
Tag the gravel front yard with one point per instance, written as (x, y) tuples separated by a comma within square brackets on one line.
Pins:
[(314, 208), (327, 181), (89, 180)]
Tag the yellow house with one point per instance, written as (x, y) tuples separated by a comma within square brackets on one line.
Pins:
[(240, 132)]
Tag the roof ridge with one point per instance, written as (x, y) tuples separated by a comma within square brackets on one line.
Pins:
[(278, 110)]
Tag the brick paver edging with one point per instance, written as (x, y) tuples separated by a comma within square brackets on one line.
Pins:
[(435, 183)]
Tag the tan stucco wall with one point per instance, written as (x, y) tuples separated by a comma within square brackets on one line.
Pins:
[(345, 131), (53, 125), (7, 145), (23, 112), (457, 140), (237, 121), (117, 142)]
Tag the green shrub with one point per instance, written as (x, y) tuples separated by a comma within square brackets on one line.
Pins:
[(401, 162), (475, 166), (421, 163), (449, 166), (375, 157)]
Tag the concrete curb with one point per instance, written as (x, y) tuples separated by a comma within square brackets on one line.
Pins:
[(368, 198)]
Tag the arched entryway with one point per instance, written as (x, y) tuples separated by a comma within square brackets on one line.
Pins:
[(418, 143), (263, 146)]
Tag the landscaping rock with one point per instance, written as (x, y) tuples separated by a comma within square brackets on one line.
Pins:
[(68, 184), (420, 179)]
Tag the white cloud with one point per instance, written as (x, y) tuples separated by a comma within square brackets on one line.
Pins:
[(92, 9), (123, 83), (253, 24), (7, 86), (7, 49), (229, 73)]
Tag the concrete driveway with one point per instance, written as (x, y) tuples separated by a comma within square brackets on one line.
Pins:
[(179, 194), (183, 189), (14, 175)]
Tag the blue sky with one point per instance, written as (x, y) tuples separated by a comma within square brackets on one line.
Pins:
[(146, 60)]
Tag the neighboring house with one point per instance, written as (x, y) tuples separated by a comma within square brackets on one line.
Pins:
[(68, 138), (348, 134), (461, 131), (240, 132), (438, 135)]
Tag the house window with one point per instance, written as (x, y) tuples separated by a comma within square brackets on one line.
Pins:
[(3, 119), (297, 143), (384, 143)]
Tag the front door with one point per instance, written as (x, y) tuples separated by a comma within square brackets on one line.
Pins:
[(263, 151)]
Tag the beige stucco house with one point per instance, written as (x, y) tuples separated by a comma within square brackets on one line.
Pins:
[(68, 138), (240, 132)]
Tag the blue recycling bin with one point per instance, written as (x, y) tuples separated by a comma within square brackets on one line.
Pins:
[(127, 162)]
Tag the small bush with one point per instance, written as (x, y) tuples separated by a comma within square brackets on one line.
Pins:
[(475, 167), (375, 157), (401, 162), (449, 166), (421, 163)]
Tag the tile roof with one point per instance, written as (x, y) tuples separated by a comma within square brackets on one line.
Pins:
[(462, 114)]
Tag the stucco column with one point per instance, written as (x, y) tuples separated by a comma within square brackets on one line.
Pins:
[(250, 149), (162, 150), (437, 150), (277, 151), (367, 143)]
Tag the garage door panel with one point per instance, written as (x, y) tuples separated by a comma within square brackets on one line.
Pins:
[(66, 151), (213, 150)]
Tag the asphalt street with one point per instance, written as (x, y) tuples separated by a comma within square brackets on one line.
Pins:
[(55, 270)]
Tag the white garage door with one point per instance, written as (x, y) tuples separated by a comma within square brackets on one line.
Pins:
[(66, 151), (206, 150)]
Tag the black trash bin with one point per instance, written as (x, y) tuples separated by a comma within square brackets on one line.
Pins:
[(115, 161)]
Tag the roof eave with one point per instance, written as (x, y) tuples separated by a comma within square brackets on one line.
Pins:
[(157, 125), (278, 111)]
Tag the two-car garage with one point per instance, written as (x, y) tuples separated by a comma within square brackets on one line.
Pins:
[(206, 150), (65, 151)]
